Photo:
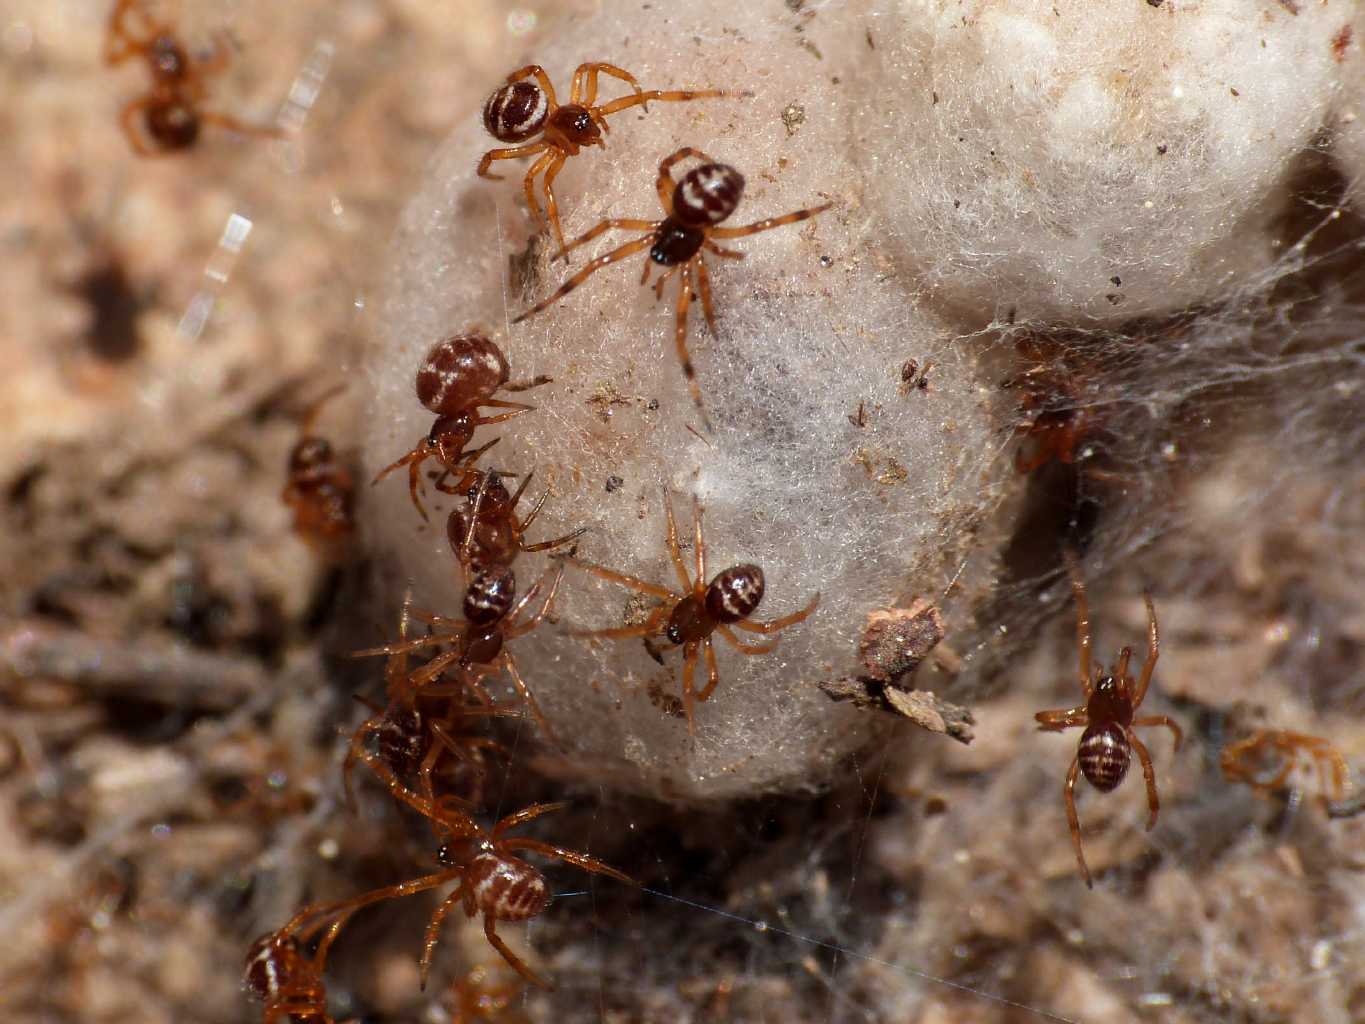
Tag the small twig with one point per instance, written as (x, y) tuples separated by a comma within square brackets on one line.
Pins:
[(922, 707), (165, 672)]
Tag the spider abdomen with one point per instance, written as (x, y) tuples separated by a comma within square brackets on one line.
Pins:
[(460, 370), (490, 595), (735, 593), (708, 194), (508, 888), (1104, 755), (516, 112)]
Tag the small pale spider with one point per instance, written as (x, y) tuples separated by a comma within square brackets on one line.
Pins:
[(689, 616), (171, 118), (488, 533), (693, 210), (1266, 758), (522, 109), (1107, 717), (320, 489)]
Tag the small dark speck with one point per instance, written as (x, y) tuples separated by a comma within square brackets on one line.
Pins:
[(961, 138), (992, 152), (1161, 149), (614, 483), (1153, 3), (870, 44), (115, 308), (957, 204), (934, 97), (1234, 92), (826, 261), (1115, 281), (652, 405), (1114, 299)]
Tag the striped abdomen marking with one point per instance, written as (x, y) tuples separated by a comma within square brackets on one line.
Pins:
[(516, 112), (271, 964), (508, 888), (1104, 755), (490, 594), (460, 371), (735, 593), (707, 194)]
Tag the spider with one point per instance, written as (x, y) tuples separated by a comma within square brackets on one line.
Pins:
[(1107, 716), (692, 614), (320, 489), (490, 534), (693, 210), (459, 374), (288, 982), (500, 886), (521, 109), (1265, 759), (491, 618), (171, 118)]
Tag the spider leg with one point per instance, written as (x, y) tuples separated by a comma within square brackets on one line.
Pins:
[(233, 124), (712, 670), (1153, 649), (536, 71), (498, 403), (1121, 668), (665, 183), (118, 31), (740, 645), (524, 815), (433, 933), (578, 860), (1073, 821), (632, 224), (510, 665), (589, 268), (671, 541), (508, 153), (1162, 720), (592, 70), (515, 628), (662, 95), (353, 753), (1062, 718), (680, 342), (689, 698), (135, 137), (552, 207), (749, 626), (704, 288), (633, 582), (720, 250), (1082, 622), (529, 184), (558, 542), (698, 544), (1148, 775), (513, 961), (769, 222)]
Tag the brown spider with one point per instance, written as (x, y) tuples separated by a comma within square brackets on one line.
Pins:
[(489, 533), (491, 618), (1265, 759), (458, 375), (283, 977), (320, 489), (491, 881), (693, 209), (1107, 716), (171, 118), (521, 109), (692, 614)]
